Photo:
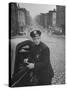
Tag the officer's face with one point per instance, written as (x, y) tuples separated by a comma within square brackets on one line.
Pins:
[(36, 40)]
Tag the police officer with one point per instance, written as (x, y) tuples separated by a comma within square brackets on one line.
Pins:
[(39, 66), (40, 62)]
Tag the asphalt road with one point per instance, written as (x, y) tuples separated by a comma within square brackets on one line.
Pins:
[(57, 55)]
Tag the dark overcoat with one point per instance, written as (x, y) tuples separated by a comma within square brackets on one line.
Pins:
[(40, 56), (43, 69)]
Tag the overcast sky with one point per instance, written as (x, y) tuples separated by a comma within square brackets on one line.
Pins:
[(36, 9)]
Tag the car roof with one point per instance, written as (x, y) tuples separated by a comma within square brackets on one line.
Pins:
[(16, 41)]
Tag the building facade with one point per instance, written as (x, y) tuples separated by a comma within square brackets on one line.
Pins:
[(54, 18), (21, 18), (47, 19), (60, 17), (13, 16), (24, 18)]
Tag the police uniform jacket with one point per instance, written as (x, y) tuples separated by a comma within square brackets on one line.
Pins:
[(43, 69)]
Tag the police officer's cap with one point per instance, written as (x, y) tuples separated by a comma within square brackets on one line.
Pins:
[(35, 33)]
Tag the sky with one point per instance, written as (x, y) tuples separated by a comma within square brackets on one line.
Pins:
[(36, 9)]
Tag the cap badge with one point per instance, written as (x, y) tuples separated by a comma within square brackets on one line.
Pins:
[(35, 32)]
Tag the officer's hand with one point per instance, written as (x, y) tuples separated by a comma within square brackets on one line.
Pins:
[(30, 66)]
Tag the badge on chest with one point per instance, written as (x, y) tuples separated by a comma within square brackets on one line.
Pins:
[(37, 57)]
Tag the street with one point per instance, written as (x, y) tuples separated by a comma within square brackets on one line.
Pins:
[(57, 57), (57, 54)]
